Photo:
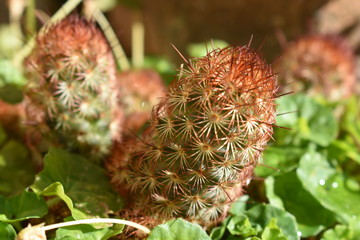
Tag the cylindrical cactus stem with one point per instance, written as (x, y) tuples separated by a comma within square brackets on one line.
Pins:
[(72, 86), (318, 65), (203, 141)]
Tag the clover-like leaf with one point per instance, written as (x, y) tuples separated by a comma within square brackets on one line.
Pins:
[(85, 183)]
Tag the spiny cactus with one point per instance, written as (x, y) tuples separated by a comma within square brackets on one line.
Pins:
[(72, 86), (141, 91), (203, 141), (319, 65)]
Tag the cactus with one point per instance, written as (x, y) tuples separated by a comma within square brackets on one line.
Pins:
[(141, 90), (320, 65), (72, 91), (203, 141)]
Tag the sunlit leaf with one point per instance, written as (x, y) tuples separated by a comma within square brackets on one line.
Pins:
[(308, 120), (262, 214), (178, 229), (329, 186), (288, 189), (273, 232)]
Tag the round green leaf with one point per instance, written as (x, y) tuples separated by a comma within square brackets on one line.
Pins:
[(7, 232), (17, 171), (261, 215), (328, 186), (178, 229), (299, 202), (22, 206), (85, 183), (307, 119)]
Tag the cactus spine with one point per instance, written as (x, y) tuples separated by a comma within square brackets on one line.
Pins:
[(203, 141), (72, 86)]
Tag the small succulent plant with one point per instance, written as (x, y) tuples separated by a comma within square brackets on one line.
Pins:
[(203, 140), (72, 91), (320, 65)]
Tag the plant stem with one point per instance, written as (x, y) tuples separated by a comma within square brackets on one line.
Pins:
[(97, 220), (30, 22), (109, 33), (61, 13), (137, 41)]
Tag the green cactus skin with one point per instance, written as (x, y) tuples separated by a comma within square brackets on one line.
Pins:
[(204, 139), (72, 87)]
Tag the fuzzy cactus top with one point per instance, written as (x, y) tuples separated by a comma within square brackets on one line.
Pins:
[(72, 86), (204, 139)]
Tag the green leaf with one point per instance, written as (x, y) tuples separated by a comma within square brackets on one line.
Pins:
[(11, 93), (311, 121), (299, 202), (201, 49), (239, 206), (344, 232), (342, 149), (57, 189), (280, 159), (350, 120), (9, 74), (329, 186), (7, 232), (274, 199), (85, 183), (240, 225), (22, 206), (178, 229), (87, 232), (16, 169), (273, 232), (262, 214), (218, 232), (165, 68), (10, 40)]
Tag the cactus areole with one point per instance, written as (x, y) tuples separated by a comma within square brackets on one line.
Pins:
[(204, 139)]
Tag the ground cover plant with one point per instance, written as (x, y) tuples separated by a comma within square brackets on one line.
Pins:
[(92, 147)]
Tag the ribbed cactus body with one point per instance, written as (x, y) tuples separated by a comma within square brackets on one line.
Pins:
[(72, 86), (204, 139)]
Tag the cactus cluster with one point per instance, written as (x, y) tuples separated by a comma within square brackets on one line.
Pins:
[(72, 90), (320, 65), (203, 140)]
